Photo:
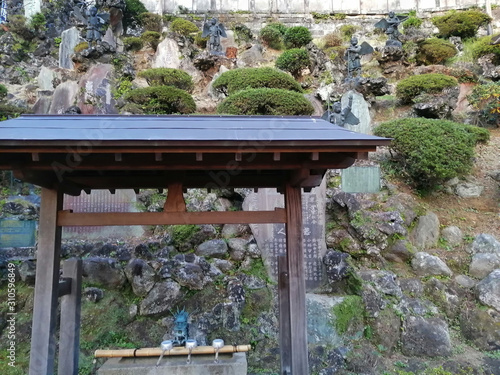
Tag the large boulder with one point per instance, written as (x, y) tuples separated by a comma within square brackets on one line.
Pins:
[(425, 264), (425, 337), (106, 272), (320, 316), (483, 263), (488, 290), (481, 327), (167, 55), (161, 299), (453, 235), (384, 281), (484, 243), (141, 276), (426, 233), (69, 39), (95, 95), (212, 248)]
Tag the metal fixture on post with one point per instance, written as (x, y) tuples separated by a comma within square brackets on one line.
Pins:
[(190, 345), (217, 344), (166, 346)]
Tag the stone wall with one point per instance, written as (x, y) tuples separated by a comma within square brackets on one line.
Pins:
[(307, 6)]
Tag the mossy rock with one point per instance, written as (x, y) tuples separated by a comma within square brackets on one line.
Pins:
[(276, 102), (483, 47), (435, 51), (168, 77), (162, 100), (432, 83), (243, 78)]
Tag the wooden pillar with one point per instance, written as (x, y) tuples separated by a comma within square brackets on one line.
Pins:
[(284, 309), (69, 336), (43, 343), (296, 279)]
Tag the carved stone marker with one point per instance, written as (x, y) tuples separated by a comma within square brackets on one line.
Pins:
[(271, 238), (17, 233), (102, 201)]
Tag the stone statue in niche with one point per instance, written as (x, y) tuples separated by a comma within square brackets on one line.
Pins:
[(353, 56), (390, 27), (181, 327), (215, 31), (95, 22), (340, 116)]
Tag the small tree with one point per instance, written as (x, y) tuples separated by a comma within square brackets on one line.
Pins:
[(162, 100), (276, 102), (272, 37), (183, 27), (297, 36), (294, 60), (168, 77), (432, 83), (151, 38), (463, 24), (151, 21), (430, 151)]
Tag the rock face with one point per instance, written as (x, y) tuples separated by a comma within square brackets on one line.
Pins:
[(212, 248), (336, 265), (425, 337), (163, 297), (103, 271), (429, 265), (141, 276), (95, 87), (251, 57), (64, 97), (481, 327), (468, 190), (319, 315), (69, 39), (484, 243), (483, 263), (438, 107), (488, 290), (426, 234), (167, 55)]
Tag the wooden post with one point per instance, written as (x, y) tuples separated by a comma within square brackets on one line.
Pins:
[(284, 309), (43, 343), (297, 283), (69, 336)]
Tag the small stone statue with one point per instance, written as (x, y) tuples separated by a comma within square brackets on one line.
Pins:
[(390, 26), (73, 110), (180, 327), (353, 55), (215, 30), (93, 20), (341, 116)]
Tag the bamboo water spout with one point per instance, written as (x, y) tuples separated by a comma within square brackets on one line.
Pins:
[(156, 352)]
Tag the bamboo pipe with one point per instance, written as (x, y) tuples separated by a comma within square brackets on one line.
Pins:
[(156, 352)]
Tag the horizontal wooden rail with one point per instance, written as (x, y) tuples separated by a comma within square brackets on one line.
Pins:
[(156, 352), (68, 218)]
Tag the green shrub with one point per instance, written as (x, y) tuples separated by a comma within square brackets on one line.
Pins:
[(293, 61), (272, 37), (168, 77), (435, 51), (132, 11), (81, 46), (483, 47), (3, 91), (38, 22), (277, 102), (486, 99), (412, 22), (242, 33), (19, 26), (200, 41), (278, 26), (151, 38), (244, 78), (432, 83), (132, 43), (162, 100), (9, 111), (297, 36), (151, 22), (463, 24), (432, 151), (347, 31), (183, 27)]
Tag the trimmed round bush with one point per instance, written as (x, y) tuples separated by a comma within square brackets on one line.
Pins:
[(278, 26), (163, 100), (271, 37), (244, 78), (297, 36), (168, 77), (293, 61), (432, 83), (463, 24), (483, 47), (432, 151), (132, 43), (277, 102), (3, 91), (151, 22), (435, 51), (183, 27)]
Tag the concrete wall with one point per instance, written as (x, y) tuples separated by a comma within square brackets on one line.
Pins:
[(307, 6)]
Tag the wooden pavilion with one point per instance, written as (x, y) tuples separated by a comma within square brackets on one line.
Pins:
[(68, 154)]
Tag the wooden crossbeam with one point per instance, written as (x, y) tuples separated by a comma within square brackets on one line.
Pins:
[(68, 218)]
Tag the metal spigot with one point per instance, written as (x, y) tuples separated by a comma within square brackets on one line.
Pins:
[(165, 346), (190, 345), (217, 345)]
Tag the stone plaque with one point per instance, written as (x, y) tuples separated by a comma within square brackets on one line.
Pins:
[(271, 238), (361, 179), (102, 201), (17, 233)]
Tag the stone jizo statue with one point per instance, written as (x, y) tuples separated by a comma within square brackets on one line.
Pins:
[(353, 56), (94, 21), (390, 25), (341, 116), (215, 30)]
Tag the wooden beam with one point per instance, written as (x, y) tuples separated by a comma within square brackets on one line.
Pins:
[(158, 156), (118, 156), (35, 156), (314, 156), (297, 284), (276, 156), (69, 334), (66, 218), (284, 315), (43, 344), (237, 156), (175, 200), (199, 156)]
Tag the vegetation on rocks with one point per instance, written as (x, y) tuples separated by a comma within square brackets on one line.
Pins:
[(460, 23), (435, 51), (276, 102), (3, 91), (244, 78), (432, 83), (430, 151), (132, 43), (133, 10), (486, 99), (151, 38), (151, 22), (294, 61), (272, 37), (482, 46), (412, 22), (162, 100), (183, 27), (168, 77)]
